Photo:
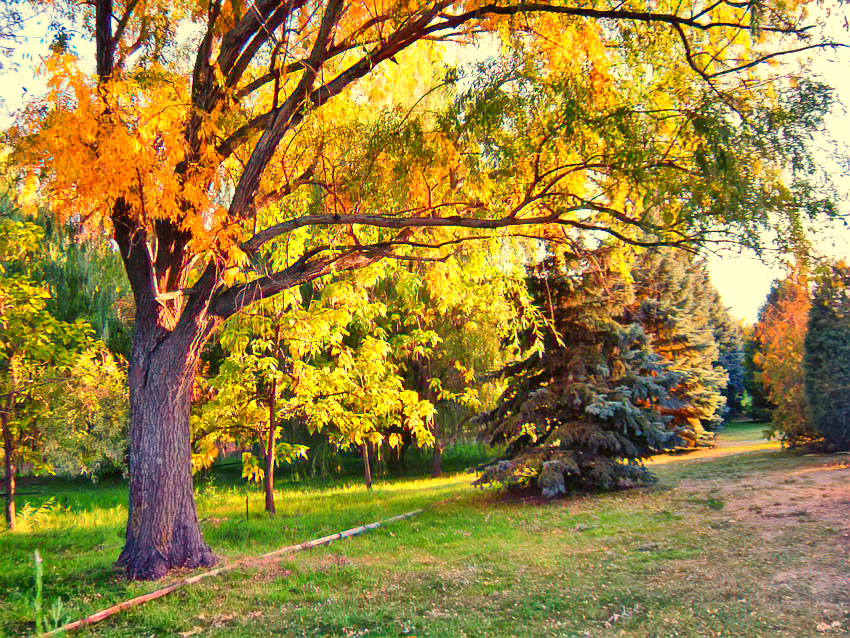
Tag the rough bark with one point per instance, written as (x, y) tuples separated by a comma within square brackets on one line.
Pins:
[(162, 530), (9, 476), (367, 471)]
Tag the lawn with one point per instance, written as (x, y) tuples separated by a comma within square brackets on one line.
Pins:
[(745, 545), (739, 431)]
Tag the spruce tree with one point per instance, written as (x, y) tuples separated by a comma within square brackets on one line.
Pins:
[(674, 302), (579, 412), (827, 357), (729, 337)]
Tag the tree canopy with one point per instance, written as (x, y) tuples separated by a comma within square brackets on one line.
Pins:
[(59, 407), (781, 334), (236, 150)]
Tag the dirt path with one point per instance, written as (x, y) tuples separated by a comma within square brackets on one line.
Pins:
[(815, 487), (724, 447), (789, 506)]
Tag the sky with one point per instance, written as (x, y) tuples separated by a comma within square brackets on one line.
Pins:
[(742, 279)]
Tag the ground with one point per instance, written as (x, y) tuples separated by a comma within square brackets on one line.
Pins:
[(751, 543)]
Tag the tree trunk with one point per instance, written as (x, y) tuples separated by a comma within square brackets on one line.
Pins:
[(162, 529), (367, 471), (9, 478), (268, 475), (437, 465)]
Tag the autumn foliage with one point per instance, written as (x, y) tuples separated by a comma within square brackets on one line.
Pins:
[(781, 334)]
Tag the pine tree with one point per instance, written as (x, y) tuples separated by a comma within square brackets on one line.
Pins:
[(729, 337), (827, 357), (579, 411), (674, 302)]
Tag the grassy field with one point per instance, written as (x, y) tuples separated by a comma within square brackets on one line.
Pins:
[(739, 431), (746, 545)]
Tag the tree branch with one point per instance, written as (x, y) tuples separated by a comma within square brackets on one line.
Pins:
[(232, 300)]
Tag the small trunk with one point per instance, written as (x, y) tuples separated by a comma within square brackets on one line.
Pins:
[(268, 475), (378, 463), (9, 478), (162, 529), (367, 472), (437, 465)]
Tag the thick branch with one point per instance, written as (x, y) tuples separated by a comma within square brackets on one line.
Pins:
[(305, 269), (232, 300), (453, 21), (131, 240), (125, 19), (104, 42), (243, 197), (379, 221)]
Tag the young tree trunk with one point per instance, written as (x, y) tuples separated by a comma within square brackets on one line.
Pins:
[(367, 471), (162, 530), (268, 475), (437, 464), (9, 477)]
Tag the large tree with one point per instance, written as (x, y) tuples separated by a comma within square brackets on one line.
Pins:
[(210, 129)]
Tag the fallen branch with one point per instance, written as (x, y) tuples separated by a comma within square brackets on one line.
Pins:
[(191, 580)]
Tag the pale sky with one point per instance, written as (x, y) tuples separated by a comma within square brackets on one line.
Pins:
[(742, 280)]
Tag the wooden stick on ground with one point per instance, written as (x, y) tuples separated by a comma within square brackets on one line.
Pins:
[(191, 580)]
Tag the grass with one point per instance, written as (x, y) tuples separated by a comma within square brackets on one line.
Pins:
[(671, 560), (738, 431)]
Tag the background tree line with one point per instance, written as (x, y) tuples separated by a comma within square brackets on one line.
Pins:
[(798, 357), (403, 356)]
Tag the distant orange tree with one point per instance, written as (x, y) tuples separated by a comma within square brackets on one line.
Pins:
[(781, 333)]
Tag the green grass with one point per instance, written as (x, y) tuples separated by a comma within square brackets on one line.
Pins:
[(744, 431), (736, 431), (654, 562)]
